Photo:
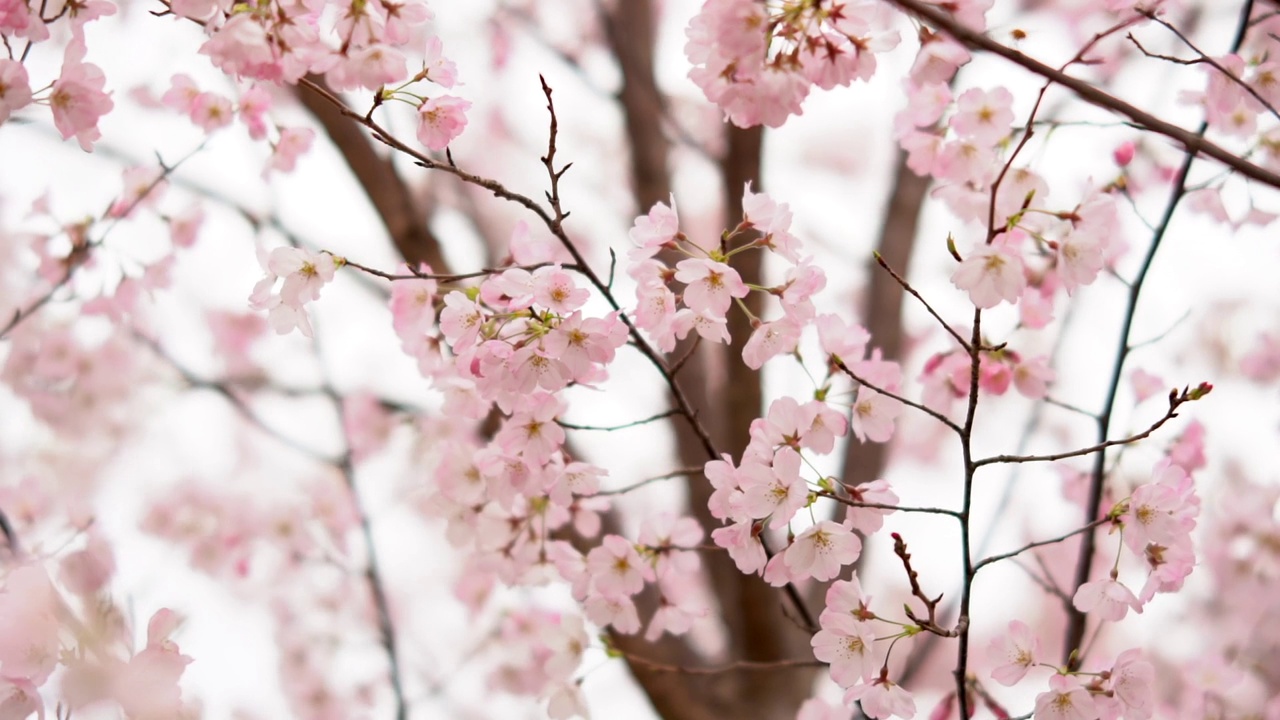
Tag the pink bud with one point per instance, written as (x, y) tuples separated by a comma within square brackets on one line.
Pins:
[(1123, 155)]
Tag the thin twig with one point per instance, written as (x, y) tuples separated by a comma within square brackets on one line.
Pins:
[(1076, 620), (881, 506), (1202, 58), (1039, 543), (611, 428), (557, 230), (907, 286), (930, 623), (1193, 142), (730, 667), (890, 394), (1170, 414), (80, 251), (682, 472)]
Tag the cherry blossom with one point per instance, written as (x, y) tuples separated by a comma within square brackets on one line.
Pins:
[(873, 415), (777, 494), (710, 286), (984, 116), (1017, 652), (821, 550), (441, 120), (1065, 700), (848, 646), (616, 568), (77, 97), (991, 274), (15, 88), (1108, 598), (882, 698), (304, 273)]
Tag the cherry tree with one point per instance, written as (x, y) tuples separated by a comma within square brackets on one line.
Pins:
[(493, 359)]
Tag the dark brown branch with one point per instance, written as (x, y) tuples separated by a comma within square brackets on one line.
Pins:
[(1174, 402), (391, 196), (915, 294), (1039, 543), (909, 403), (610, 428), (930, 623), (729, 667), (1201, 58), (1192, 142), (683, 472), (881, 506)]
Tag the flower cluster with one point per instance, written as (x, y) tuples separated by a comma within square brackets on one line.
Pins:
[(305, 273), (1156, 523), (847, 643), (758, 60), (1125, 690), (946, 376)]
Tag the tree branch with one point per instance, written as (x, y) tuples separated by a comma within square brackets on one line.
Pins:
[(1193, 142)]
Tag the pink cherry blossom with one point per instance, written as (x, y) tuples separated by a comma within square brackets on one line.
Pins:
[(20, 699), (991, 274), (869, 520), (847, 342), (743, 544), (555, 289), (773, 220), (617, 611), (1146, 384), (1152, 516), (616, 568), (77, 98), (779, 494), (1108, 598), (460, 320), (726, 500), (770, 340), (242, 47), (28, 625), (873, 415), (369, 67), (845, 597), (822, 550), (710, 286), (1016, 651), (15, 89), (848, 645), (653, 231), (984, 115), (293, 143), (254, 105), (1133, 681), (1065, 700), (441, 120), (211, 111), (1032, 377), (882, 698), (827, 425)]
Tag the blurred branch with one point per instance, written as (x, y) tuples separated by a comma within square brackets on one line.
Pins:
[(81, 246), (372, 569)]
